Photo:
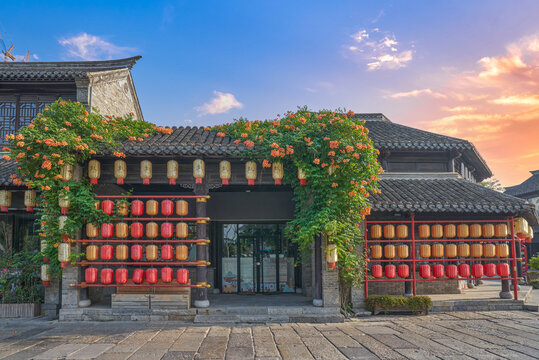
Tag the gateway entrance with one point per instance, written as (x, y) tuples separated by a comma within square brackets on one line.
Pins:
[(256, 258)]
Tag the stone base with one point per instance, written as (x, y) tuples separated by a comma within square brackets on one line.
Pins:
[(202, 303), (318, 302), (506, 295), (85, 303)]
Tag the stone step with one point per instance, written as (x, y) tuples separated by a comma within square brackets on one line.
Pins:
[(216, 319), (268, 318)]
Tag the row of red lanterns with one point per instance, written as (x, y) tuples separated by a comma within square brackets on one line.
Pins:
[(107, 275), (105, 252), (136, 230), (439, 271), (181, 208)]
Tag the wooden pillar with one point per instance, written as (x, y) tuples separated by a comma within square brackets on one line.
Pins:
[(317, 298), (201, 294)]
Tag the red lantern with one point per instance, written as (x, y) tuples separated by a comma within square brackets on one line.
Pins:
[(451, 271), (106, 275), (136, 229), (503, 269), (182, 276), (376, 271), (90, 275), (438, 270), (137, 208), (121, 276), (151, 275), (490, 269), (107, 230), (136, 252), (138, 276), (424, 271), (167, 207), (107, 206), (167, 252), (166, 274), (167, 230), (390, 271), (106, 252), (403, 271), (477, 270), (464, 270)]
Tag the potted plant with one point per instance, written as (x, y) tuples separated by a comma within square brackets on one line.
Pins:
[(20, 285)]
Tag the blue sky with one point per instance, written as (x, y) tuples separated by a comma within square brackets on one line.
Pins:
[(207, 62)]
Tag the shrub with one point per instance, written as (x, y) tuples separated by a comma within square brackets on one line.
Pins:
[(534, 262), (19, 278), (413, 303), (535, 283)]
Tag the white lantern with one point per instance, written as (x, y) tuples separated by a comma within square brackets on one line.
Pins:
[(199, 170), (67, 172), (277, 172), (146, 171), (225, 172), (30, 200), (120, 171), (94, 171), (250, 172), (5, 200), (64, 254), (172, 171)]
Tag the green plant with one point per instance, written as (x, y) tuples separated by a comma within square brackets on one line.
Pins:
[(19, 278), (413, 303), (534, 262), (535, 283)]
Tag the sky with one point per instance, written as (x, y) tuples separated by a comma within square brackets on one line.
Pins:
[(468, 69)]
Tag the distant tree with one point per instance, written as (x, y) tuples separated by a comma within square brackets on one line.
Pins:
[(493, 184)]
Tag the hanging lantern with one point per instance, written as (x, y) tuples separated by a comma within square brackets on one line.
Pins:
[(166, 274), (403, 251), (137, 208), (389, 251), (376, 232), (182, 252), (530, 234), (30, 200), (152, 230), (500, 230), (503, 269), (167, 230), (182, 208), (172, 171), (136, 229), (302, 177), (438, 270), (122, 230), (46, 274), (437, 250), (424, 251), (94, 171), (463, 231), (199, 170), (389, 231), (67, 172), (138, 276), (152, 207), (488, 230), (146, 171), (403, 271), (151, 252), (376, 252), (106, 252), (120, 171), (451, 271), (43, 245), (520, 227), (62, 221), (489, 250), (64, 254), (107, 230), (437, 231), (90, 275), (277, 171), (250, 172), (476, 250), (502, 250), (122, 252), (402, 231), (167, 207), (477, 270), (136, 252), (182, 230), (464, 250), (424, 231), (451, 250), (107, 206), (376, 271), (450, 231), (5, 200), (225, 172), (182, 276), (390, 271), (475, 230), (96, 204), (92, 252), (122, 208), (151, 275), (464, 270), (167, 252), (91, 230), (121, 276), (64, 203), (490, 269), (424, 271), (331, 256)]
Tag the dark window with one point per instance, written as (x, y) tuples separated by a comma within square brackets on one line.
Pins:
[(397, 166)]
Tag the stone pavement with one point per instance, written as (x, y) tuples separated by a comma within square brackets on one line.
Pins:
[(459, 335)]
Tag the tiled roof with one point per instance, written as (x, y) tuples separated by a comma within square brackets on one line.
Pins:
[(446, 195), (530, 185), (59, 71)]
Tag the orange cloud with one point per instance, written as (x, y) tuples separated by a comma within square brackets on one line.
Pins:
[(416, 93)]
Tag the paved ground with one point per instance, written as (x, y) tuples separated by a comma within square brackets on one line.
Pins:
[(460, 335)]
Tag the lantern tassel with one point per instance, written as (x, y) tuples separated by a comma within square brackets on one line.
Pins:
[(146, 181), (251, 181), (302, 182), (93, 181), (198, 181), (172, 181), (119, 181), (224, 181), (4, 209), (278, 182), (30, 209)]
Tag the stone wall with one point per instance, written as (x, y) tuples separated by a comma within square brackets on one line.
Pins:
[(423, 287), (330, 280)]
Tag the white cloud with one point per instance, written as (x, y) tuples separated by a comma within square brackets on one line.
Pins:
[(90, 47), (221, 103), (458, 108), (416, 93), (517, 100)]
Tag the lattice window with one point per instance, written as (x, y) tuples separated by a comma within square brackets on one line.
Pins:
[(8, 114), (16, 114)]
